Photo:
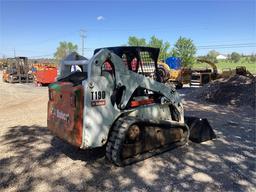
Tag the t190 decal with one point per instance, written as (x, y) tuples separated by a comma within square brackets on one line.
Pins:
[(98, 98)]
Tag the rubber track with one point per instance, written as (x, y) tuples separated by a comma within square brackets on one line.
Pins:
[(117, 137)]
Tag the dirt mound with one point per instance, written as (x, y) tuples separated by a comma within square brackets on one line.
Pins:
[(237, 90)]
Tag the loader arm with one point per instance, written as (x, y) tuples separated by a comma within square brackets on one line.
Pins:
[(129, 79), (214, 67)]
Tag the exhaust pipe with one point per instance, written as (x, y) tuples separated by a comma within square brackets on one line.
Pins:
[(200, 129)]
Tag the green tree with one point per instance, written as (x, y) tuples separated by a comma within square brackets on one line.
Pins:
[(134, 41), (235, 57), (212, 56), (163, 46), (64, 49), (154, 42), (186, 50)]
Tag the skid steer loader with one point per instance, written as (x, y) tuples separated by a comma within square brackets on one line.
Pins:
[(115, 100)]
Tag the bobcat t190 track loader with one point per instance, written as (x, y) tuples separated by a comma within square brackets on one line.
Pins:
[(115, 100)]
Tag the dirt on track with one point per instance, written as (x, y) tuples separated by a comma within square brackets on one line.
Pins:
[(31, 159)]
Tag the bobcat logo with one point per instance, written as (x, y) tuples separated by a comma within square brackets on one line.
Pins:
[(60, 115)]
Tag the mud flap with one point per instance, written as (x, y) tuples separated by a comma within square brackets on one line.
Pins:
[(200, 129)]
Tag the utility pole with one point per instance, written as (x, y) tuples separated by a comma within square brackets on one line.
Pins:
[(14, 52), (82, 36)]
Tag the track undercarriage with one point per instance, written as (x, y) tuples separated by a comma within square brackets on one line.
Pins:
[(133, 139)]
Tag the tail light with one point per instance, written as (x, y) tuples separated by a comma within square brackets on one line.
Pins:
[(141, 102)]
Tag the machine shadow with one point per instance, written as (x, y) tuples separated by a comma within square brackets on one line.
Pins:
[(32, 147), (87, 155)]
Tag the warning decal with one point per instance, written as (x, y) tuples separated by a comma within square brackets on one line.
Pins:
[(98, 103)]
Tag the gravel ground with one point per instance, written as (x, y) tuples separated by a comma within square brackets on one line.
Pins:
[(31, 159)]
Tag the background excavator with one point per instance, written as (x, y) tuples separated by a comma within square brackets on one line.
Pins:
[(200, 76), (116, 100)]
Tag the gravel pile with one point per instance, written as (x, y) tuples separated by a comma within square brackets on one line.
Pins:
[(237, 91)]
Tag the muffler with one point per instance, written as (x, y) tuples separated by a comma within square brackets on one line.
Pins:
[(200, 129)]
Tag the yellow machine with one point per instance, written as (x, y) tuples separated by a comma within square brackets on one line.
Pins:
[(176, 76)]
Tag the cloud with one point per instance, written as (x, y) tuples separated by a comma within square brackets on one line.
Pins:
[(99, 18)]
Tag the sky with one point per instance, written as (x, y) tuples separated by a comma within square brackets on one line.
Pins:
[(35, 28)]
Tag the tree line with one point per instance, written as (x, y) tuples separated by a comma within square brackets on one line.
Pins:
[(233, 57), (184, 48)]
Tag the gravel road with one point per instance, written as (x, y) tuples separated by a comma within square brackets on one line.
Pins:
[(31, 159)]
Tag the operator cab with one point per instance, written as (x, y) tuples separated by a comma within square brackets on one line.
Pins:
[(142, 60)]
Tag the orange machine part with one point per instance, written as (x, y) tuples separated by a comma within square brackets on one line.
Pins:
[(5, 76), (45, 74), (65, 112)]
